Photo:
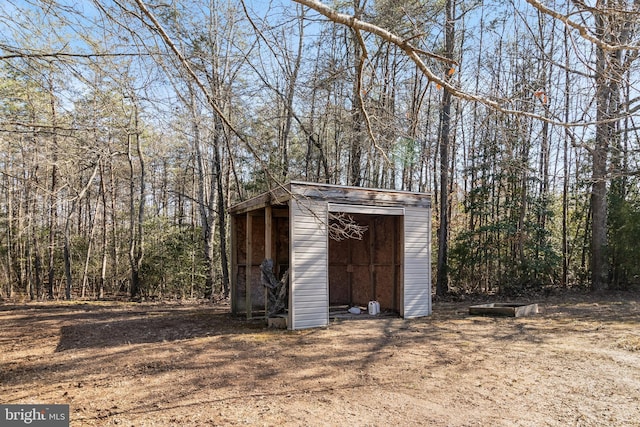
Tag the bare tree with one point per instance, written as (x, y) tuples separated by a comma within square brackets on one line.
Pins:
[(610, 27)]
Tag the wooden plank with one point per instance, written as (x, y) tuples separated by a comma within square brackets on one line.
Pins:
[(277, 196), (360, 195), (360, 285), (385, 287), (339, 285)]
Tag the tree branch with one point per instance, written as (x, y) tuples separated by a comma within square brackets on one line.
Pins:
[(414, 54), (342, 227), (209, 97), (582, 30)]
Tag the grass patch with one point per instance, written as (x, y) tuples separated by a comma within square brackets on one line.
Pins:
[(629, 343)]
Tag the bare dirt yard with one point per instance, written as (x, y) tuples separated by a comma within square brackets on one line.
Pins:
[(576, 363)]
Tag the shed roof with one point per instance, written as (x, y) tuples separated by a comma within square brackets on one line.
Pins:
[(333, 193)]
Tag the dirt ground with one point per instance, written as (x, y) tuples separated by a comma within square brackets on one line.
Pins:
[(576, 363)]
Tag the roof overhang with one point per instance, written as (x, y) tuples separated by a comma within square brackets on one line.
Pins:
[(339, 194)]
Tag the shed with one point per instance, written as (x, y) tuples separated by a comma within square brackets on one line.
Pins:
[(389, 263)]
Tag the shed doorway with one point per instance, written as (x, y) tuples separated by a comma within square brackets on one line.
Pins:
[(370, 268)]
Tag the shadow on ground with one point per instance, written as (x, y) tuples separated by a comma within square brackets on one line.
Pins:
[(151, 327)]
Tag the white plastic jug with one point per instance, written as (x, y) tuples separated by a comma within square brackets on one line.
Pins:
[(374, 307)]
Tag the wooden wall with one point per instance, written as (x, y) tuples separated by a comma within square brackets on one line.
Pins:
[(368, 269)]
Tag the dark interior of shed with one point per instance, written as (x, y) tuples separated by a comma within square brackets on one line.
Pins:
[(368, 269)]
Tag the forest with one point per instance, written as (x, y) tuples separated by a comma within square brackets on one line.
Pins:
[(128, 128)]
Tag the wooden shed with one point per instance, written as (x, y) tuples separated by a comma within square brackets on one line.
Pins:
[(390, 262)]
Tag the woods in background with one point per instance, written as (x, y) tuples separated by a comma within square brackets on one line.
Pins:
[(127, 129)]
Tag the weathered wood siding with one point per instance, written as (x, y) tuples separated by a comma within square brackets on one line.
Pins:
[(360, 195), (417, 262), (309, 291)]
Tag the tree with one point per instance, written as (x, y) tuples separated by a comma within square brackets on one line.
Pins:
[(613, 36), (136, 198), (475, 100), (442, 286)]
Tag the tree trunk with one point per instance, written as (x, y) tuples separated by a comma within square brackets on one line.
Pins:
[(355, 154), (442, 284), (67, 260), (565, 157), (136, 243), (87, 259), (221, 207), (103, 269), (67, 230), (291, 87), (10, 241), (53, 209), (203, 200), (607, 73), (599, 269)]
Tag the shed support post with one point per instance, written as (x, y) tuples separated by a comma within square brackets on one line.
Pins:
[(268, 226), (372, 268), (234, 264), (247, 280), (395, 264)]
